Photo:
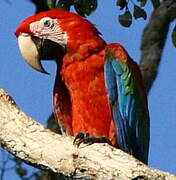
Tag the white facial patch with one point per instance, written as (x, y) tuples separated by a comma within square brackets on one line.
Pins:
[(49, 28), (29, 51)]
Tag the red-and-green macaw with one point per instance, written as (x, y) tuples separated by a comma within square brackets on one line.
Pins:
[(98, 89)]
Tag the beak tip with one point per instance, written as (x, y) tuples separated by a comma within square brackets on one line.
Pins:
[(39, 68), (46, 73)]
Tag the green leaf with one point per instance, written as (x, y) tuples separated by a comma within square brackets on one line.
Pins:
[(21, 171), (40, 5), (121, 3), (125, 19), (174, 36), (65, 4), (51, 3), (142, 2), (85, 7), (139, 13)]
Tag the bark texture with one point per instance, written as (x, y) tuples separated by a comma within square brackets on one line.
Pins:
[(44, 149), (153, 40)]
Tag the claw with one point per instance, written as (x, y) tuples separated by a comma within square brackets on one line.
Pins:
[(80, 138), (85, 138)]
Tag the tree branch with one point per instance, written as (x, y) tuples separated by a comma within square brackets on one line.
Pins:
[(153, 41), (44, 149)]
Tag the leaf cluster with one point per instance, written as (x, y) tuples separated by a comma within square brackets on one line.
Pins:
[(138, 11), (82, 7)]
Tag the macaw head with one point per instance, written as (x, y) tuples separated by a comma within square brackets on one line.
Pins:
[(51, 34)]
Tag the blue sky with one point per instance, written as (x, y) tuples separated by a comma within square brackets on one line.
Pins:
[(32, 91)]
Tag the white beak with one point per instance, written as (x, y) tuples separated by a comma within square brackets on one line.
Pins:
[(30, 52)]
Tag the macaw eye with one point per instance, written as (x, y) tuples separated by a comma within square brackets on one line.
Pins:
[(47, 22)]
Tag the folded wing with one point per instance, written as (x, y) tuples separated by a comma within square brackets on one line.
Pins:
[(128, 102)]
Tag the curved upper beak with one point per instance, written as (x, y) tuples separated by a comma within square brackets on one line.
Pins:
[(30, 52), (35, 49)]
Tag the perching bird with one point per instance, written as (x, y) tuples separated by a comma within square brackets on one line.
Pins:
[(99, 93)]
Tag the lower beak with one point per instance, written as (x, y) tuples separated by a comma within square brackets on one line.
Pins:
[(35, 49)]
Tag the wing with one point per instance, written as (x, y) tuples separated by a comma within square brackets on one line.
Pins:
[(128, 102)]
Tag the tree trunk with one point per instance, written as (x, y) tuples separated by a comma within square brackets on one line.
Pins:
[(153, 40)]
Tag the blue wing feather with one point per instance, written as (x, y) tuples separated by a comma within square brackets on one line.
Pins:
[(129, 115), (112, 71), (111, 81)]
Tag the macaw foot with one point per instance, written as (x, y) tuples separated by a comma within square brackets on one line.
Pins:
[(85, 138)]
